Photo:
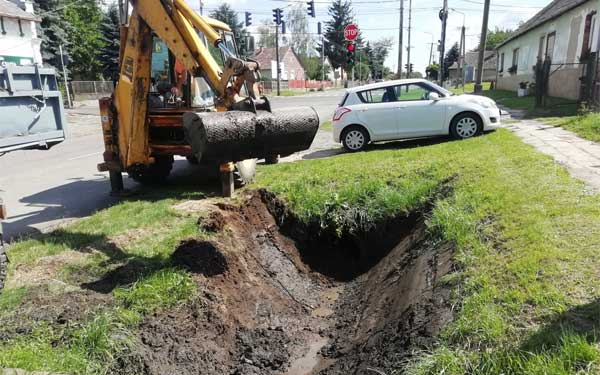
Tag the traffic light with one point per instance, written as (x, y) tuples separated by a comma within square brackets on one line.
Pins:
[(350, 49), (283, 27), (410, 68), (248, 19), (319, 28), (277, 16), (311, 8)]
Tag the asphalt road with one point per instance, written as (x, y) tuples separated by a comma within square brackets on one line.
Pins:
[(43, 189)]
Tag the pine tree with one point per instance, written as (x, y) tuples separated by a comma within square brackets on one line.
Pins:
[(341, 16), (109, 54), (54, 31), (451, 57), (225, 13)]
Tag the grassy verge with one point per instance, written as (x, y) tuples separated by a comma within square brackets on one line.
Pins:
[(327, 126), (527, 238), (554, 106), (585, 126)]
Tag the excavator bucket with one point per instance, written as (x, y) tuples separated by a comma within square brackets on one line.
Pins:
[(239, 135)]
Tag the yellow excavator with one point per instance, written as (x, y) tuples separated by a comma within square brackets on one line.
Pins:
[(183, 90)]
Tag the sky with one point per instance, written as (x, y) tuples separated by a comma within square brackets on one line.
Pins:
[(377, 19)]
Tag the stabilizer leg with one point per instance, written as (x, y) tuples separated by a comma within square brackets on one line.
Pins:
[(227, 179)]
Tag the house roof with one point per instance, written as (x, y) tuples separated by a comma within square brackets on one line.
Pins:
[(264, 56), (550, 12), (489, 60), (9, 9)]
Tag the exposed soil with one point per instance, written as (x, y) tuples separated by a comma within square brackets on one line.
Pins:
[(277, 297)]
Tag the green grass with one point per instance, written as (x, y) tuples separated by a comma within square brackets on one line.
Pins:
[(140, 234), (585, 126), (326, 126), (527, 238), (526, 234)]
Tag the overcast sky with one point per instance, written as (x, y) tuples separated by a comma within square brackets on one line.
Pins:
[(378, 19)]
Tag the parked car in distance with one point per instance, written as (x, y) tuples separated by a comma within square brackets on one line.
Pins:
[(409, 108)]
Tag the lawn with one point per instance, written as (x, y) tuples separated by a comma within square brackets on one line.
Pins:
[(585, 126), (526, 236), (554, 106)]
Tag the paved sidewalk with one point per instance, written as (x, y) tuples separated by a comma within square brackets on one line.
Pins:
[(581, 157)]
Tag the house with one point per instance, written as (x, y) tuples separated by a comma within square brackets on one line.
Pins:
[(566, 32), (290, 64), (19, 42), (470, 67)]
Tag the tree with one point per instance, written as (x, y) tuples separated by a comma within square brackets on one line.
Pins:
[(451, 57), (226, 14), (379, 50), (85, 38), (494, 38), (335, 49), (432, 71), (361, 71), (266, 31), (313, 68), (297, 23), (109, 54), (54, 30)]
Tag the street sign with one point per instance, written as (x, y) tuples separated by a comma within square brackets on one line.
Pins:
[(351, 32)]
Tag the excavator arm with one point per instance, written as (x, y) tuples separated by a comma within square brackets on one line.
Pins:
[(127, 122)]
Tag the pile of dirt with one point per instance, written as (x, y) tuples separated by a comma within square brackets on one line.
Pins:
[(278, 298)]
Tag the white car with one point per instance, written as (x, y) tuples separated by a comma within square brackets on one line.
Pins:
[(409, 108)]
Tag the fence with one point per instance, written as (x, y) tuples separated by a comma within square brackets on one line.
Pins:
[(589, 96), (298, 84), (90, 89)]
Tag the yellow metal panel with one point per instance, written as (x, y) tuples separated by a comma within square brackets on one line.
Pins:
[(198, 21), (132, 92), (199, 50), (155, 15), (216, 24)]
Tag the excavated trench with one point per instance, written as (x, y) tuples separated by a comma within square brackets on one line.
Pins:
[(278, 297)]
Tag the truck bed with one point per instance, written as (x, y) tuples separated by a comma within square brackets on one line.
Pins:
[(31, 108)]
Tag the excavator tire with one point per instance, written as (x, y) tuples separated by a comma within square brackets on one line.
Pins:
[(3, 267), (152, 174)]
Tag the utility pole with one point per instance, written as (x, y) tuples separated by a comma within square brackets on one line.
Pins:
[(462, 54), (201, 6), (62, 61), (277, 58), (484, 27), (409, 32), (444, 18), (430, 52), (400, 36), (323, 60)]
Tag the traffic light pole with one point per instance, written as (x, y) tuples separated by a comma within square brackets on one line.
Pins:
[(444, 17), (277, 59), (400, 37), (409, 70)]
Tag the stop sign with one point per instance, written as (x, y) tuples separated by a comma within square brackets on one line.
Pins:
[(351, 32)]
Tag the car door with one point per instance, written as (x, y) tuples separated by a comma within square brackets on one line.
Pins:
[(417, 115), (378, 112)]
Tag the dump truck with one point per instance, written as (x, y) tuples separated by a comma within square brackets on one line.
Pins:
[(32, 118), (182, 90)]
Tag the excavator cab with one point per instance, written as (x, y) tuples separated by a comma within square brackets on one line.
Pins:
[(184, 91)]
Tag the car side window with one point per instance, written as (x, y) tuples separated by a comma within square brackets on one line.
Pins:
[(412, 92), (381, 95)]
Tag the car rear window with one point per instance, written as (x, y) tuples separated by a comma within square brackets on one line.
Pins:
[(379, 95), (341, 104)]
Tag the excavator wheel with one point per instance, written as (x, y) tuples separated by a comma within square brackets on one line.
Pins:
[(3, 266), (153, 174), (244, 172)]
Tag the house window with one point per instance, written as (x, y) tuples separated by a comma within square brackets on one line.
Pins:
[(501, 67), (540, 54), (550, 45), (515, 60)]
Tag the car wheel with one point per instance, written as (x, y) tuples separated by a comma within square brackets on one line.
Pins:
[(466, 125), (355, 139)]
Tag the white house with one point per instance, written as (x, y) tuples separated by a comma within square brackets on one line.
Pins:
[(566, 31), (19, 42)]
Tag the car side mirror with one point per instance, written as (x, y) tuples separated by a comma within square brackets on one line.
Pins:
[(434, 96)]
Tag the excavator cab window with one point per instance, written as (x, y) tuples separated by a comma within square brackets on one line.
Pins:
[(172, 85)]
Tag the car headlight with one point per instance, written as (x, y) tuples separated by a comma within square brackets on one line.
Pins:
[(486, 103)]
